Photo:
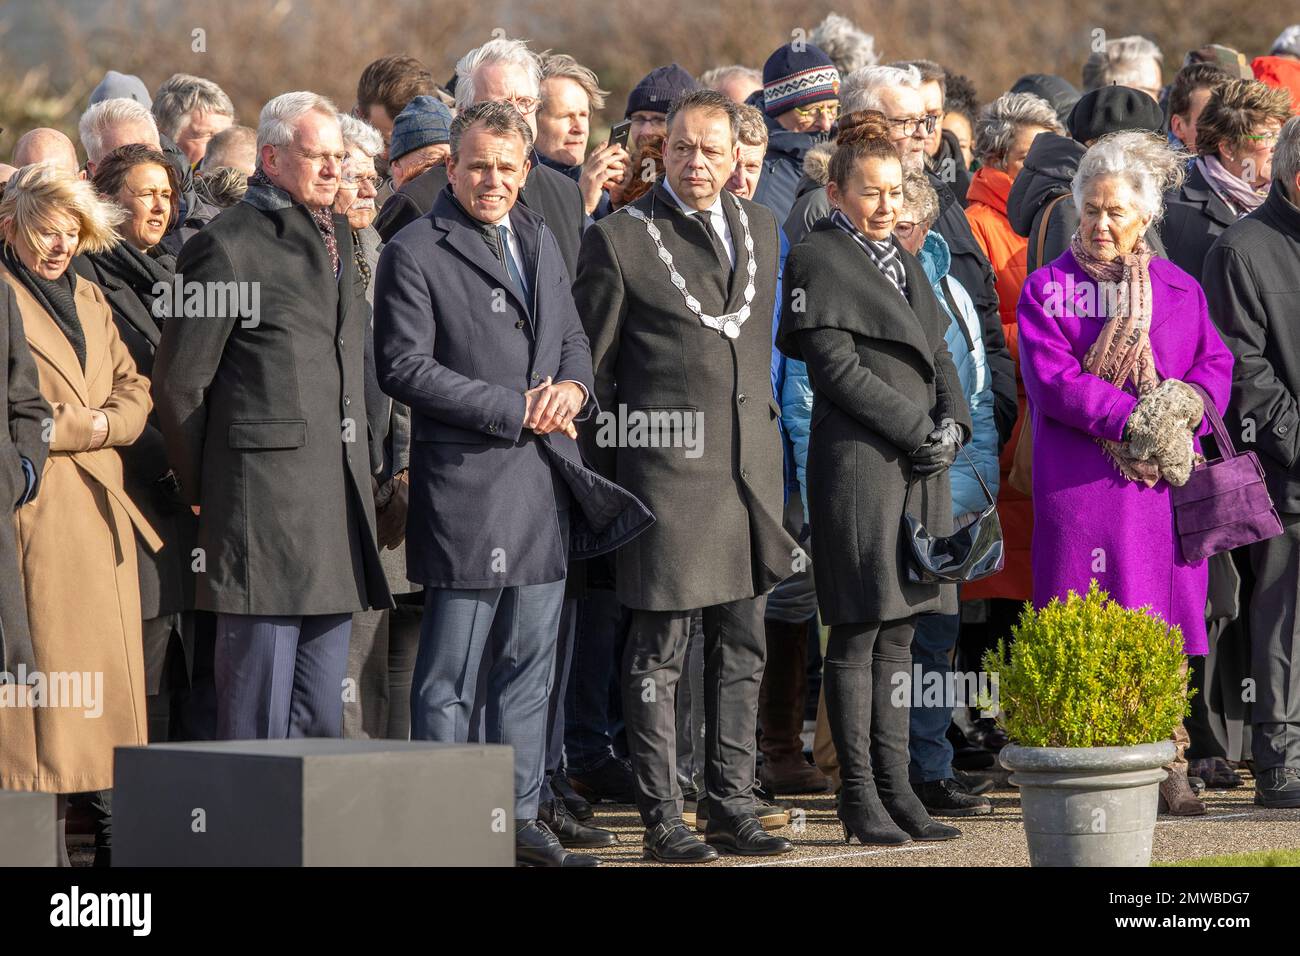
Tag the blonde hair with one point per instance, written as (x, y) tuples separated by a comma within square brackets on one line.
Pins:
[(38, 193)]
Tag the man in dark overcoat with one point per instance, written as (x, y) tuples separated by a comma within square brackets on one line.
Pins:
[(682, 354), (259, 387), (476, 332)]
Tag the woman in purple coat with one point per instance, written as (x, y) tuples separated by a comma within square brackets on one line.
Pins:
[(1110, 341)]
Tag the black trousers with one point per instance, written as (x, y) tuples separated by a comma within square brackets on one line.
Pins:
[(1275, 648), (735, 650)]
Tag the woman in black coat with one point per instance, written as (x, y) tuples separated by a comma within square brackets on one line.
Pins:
[(858, 310), (133, 274)]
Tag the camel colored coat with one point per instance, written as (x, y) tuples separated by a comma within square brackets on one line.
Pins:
[(78, 564)]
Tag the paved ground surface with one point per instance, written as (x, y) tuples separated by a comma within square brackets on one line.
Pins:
[(1233, 825)]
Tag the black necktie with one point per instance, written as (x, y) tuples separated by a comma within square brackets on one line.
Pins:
[(718, 248)]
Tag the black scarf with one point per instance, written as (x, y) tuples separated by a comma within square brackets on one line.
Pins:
[(138, 271), (56, 297)]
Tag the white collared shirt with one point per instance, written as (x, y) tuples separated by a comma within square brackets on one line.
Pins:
[(716, 218), (513, 250)]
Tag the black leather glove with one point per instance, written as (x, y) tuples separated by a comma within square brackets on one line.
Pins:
[(939, 451)]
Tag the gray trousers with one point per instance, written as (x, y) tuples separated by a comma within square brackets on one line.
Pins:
[(735, 650), (1275, 648), (514, 631), (280, 677)]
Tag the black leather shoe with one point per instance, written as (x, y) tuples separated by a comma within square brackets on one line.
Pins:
[(610, 781), (745, 836), (971, 784), (946, 798), (1278, 787), (577, 804), (987, 734), (967, 755), (672, 842), (536, 845), (572, 834)]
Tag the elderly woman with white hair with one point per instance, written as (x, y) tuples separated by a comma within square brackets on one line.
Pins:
[(77, 537), (1112, 340), (381, 654)]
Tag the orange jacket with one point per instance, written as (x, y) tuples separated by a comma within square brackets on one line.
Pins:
[(987, 213), (1281, 72)]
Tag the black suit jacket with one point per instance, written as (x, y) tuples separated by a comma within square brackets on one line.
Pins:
[(1194, 217)]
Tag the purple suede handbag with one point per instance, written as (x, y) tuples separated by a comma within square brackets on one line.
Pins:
[(1225, 503)]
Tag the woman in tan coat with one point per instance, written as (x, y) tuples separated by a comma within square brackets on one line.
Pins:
[(77, 537)]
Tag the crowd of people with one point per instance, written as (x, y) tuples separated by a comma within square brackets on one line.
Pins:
[(391, 422)]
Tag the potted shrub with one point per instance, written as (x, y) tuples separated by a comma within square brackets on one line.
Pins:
[(1090, 693)]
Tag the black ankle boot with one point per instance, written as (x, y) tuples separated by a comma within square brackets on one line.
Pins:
[(889, 757), (848, 711)]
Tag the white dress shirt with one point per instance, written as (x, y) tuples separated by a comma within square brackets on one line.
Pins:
[(513, 250), (716, 218)]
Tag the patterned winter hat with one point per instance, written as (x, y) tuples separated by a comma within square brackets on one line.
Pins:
[(795, 77)]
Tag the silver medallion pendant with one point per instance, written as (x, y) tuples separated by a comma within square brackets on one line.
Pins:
[(731, 329)]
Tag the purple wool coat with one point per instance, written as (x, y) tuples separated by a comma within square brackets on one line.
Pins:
[(1089, 521)]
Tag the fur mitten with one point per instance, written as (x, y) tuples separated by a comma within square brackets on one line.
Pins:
[(1161, 427)]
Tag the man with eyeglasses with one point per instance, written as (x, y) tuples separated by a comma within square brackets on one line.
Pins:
[(800, 100), (504, 70), (262, 407)]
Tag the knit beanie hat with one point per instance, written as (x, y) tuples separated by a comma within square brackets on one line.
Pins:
[(1110, 109), (1056, 90), (1288, 41), (794, 77), (125, 86), (656, 92), (424, 122)]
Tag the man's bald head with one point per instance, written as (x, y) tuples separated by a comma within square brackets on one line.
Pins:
[(46, 146)]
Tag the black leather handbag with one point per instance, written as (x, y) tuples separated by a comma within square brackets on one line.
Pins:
[(969, 554)]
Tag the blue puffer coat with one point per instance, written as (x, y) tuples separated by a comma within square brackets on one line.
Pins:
[(968, 355)]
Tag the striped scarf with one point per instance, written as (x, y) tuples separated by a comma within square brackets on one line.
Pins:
[(883, 253)]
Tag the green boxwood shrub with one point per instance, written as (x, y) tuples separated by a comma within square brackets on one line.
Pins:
[(1090, 673)]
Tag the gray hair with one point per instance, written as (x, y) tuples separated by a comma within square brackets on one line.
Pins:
[(1002, 120), (105, 114), (275, 125), (714, 78), (920, 198), (1121, 62), (710, 101), (848, 47), (181, 95), (360, 134), (861, 89), (751, 125), (1286, 157), (496, 50), (501, 119), (1144, 160), (230, 140), (561, 66)]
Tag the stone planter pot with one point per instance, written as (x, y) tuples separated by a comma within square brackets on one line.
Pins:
[(1089, 806)]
